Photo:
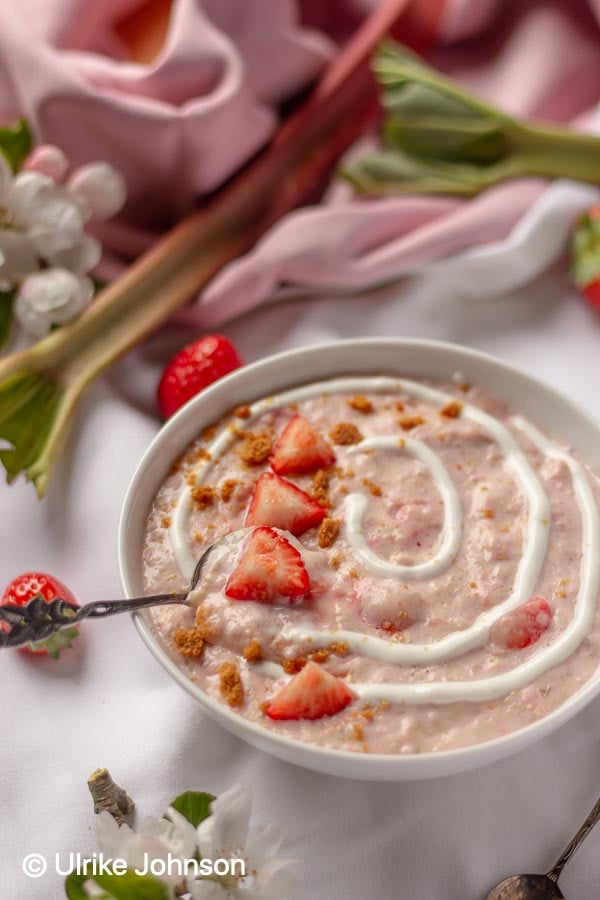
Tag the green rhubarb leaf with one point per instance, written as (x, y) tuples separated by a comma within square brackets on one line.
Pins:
[(16, 143), (74, 886), (131, 886), (6, 316), (194, 806)]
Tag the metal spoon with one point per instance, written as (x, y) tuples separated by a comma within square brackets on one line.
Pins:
[(37, 620), (544, 887)]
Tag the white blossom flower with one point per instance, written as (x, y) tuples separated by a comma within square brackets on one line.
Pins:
[(45, 253), (101, 187), (52, 216), (49, 160), (51, 297), (18, 257), (226, 834)]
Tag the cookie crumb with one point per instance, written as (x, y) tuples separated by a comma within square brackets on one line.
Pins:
[(252, 652), (464, 387), (345, 433), (335, 561), (203, 495), (189, 642), (320, 487), (372, 487), (409, 422), (228, 488), (399, 406), (473, 585), (256, 448), (231, 684), (328, 532), (209, 433), (293, 666), (166, 521), (361, 404), (358, 732), (452, 410), (202, 453), (242, 412), (488, 513)]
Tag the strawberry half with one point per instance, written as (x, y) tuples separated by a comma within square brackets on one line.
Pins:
[(36, 584), (268, 571), (299, 449), (524, 626), (195, 367), (311, 694), (280, 504)]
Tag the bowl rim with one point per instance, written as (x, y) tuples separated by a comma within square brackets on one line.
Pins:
[(469, 757)]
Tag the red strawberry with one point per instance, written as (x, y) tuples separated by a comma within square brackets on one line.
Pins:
[(300, 449), (311, 694), (193, 368), (524, 626), (281, 504), (585, 250), (268, 570), (36, 584)]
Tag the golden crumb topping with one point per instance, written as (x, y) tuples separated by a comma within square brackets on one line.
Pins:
[(328, 532), (242, 412), (189, 642), (345, 433), (252, 652), (203, 495), (361, 404), (256, 448), (452, 410), (409, 422), (230, 683), (228, 489)]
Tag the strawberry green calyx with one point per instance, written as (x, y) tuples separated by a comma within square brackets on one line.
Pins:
[(585, 249), (56, 643)]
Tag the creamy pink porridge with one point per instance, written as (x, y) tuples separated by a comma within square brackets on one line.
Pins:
[(413, 567)]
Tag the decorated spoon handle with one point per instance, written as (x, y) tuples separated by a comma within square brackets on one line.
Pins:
[(38, 619), (576, 842)]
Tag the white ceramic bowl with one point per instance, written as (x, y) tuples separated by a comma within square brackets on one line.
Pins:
[(425, 359)]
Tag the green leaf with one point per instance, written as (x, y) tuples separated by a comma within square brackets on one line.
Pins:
[(194, 806), (6, 316), (16, 143), (131, 886), (74, 886)]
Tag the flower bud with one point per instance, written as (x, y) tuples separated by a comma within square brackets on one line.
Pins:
[(48, 160), (101, 187), (51, 297)]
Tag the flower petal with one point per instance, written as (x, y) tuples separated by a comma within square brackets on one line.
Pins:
[(226, 829), (81, 258), (208, 890)]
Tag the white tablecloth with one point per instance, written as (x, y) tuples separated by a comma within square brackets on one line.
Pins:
[(108, 703)]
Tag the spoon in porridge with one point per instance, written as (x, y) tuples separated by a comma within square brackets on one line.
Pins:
[(37, 620), (544, 887)]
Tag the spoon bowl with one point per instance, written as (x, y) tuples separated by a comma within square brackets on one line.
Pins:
[(526, 887)]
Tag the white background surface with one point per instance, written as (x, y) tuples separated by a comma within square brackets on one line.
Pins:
[(108, 703)]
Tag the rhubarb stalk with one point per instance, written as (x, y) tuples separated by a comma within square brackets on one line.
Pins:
[(40, 388)]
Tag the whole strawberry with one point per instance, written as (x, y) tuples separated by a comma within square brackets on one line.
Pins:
[(195, 367), (37, 584), (585, 249)]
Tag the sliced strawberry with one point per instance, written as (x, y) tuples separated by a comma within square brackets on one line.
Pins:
[(524, 626), (300, 449), (311, 694), (268, 571), (37, 584), (280, 504)]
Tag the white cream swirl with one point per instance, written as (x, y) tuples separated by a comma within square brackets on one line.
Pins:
[(528, 571)]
